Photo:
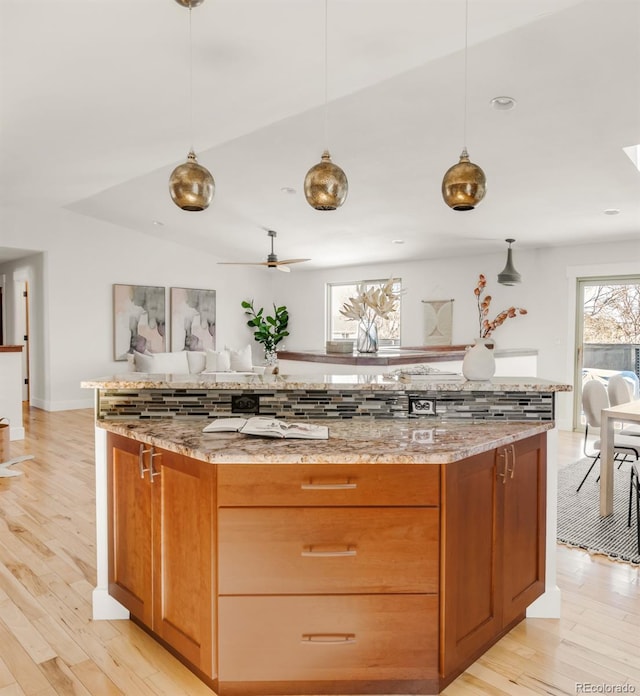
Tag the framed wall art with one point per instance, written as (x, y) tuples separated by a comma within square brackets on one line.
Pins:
[(438, 322), (193, 319), (138, 319)]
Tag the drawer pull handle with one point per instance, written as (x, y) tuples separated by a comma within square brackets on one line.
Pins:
[(328, 638), (309, 551), (311, 486)]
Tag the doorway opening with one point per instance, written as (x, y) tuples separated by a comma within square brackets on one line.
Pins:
[(607, 332)]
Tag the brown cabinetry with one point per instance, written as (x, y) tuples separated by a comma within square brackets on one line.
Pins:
[(160, 544), (330, 578), (493, 560)]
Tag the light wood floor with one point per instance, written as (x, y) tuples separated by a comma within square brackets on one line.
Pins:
[(49, 644)]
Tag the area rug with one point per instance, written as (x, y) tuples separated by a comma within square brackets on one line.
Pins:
[(6, 472), (579, 521)]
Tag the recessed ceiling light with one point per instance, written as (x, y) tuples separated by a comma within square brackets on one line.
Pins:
[(611, 211), (158, 223), (503, 103), (288, 189), (397, 241)]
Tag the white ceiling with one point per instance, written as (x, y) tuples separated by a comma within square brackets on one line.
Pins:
[(95, 115)]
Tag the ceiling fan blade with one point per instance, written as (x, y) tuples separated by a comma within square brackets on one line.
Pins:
[(284, 269), (242, 263), (293, 260)]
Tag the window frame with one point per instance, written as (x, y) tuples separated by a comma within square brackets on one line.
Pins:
[(355, 283)]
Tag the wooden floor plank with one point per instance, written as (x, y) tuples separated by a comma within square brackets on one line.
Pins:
[(47, 573)]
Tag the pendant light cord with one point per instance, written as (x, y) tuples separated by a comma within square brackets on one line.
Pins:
[(190, 81), (466, 70), (326, 79)]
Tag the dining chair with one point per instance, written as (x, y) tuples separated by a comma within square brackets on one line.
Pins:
[(634, 488), (594, 399), (621, 390)]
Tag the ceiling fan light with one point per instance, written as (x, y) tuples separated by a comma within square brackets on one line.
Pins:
[(464, 184), (325, 185), (509, 275), (191, 185)]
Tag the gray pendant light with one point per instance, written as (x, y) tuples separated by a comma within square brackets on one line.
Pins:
[(509, 275), (191, 185)]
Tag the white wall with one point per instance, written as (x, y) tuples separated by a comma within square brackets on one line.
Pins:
[(71, 294), (547, 292)]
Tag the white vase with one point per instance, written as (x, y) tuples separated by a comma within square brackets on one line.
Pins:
[(479, 363)]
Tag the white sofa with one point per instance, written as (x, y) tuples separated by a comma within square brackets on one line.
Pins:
[(209, 362)]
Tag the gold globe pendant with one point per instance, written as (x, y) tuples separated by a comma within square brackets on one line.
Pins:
[(464, 184), (191, 185), (325, 185)]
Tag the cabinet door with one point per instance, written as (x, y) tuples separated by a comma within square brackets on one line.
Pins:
[(524, 525), (129, 502), (471, 609), (183, 565)]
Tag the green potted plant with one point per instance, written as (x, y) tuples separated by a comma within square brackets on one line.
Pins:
[(268, 330)]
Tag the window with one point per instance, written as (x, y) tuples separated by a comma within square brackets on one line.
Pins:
[(341, 329)]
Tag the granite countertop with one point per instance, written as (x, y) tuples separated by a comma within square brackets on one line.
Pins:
[(139, 380), (407, 441)]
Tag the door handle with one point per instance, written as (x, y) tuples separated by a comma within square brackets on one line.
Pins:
[(141, 454)]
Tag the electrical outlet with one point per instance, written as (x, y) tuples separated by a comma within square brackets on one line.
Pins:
[(419, 406)]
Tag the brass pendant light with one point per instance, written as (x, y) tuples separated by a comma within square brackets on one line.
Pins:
[(464, 184), (509, 275), (191, 185), (325, 185)]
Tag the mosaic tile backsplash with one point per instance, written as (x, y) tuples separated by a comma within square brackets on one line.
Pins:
[(123, 404)]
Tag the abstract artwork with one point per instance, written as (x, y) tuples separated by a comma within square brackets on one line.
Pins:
[(438, 322), (193, 319), (138, 319)]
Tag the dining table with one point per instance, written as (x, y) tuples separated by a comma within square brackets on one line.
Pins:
[(622, 413)]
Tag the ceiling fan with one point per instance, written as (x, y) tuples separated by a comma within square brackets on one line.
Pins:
[(272, 259)]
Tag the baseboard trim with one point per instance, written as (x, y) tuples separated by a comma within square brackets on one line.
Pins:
[(547, 606), (46, 405), (105, 607)]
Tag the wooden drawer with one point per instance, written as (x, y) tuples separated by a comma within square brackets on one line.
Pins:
[(324, 550), (328, 484), (330, 638)]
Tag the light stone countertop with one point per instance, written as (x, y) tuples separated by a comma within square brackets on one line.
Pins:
[(406, 441), (219, 381)]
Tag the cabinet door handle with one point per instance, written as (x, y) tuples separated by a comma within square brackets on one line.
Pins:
[(328, 638), (141, 454), (345, 486), (503, 474), (152, 472), (513, 460), (311, 552)]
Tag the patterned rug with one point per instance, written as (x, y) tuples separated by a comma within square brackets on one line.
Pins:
[(579, 521)]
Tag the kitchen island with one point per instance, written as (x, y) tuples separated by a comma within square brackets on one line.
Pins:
[(382, 560)]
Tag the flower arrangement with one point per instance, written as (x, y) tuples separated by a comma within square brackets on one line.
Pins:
[(372, 303), (488, 327)]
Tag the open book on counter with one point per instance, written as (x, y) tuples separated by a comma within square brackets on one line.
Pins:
[(268, 427)]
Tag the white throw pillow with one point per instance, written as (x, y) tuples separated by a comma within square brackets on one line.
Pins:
[(197, 360), (241, 359), (162, 363), (218, 361)]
